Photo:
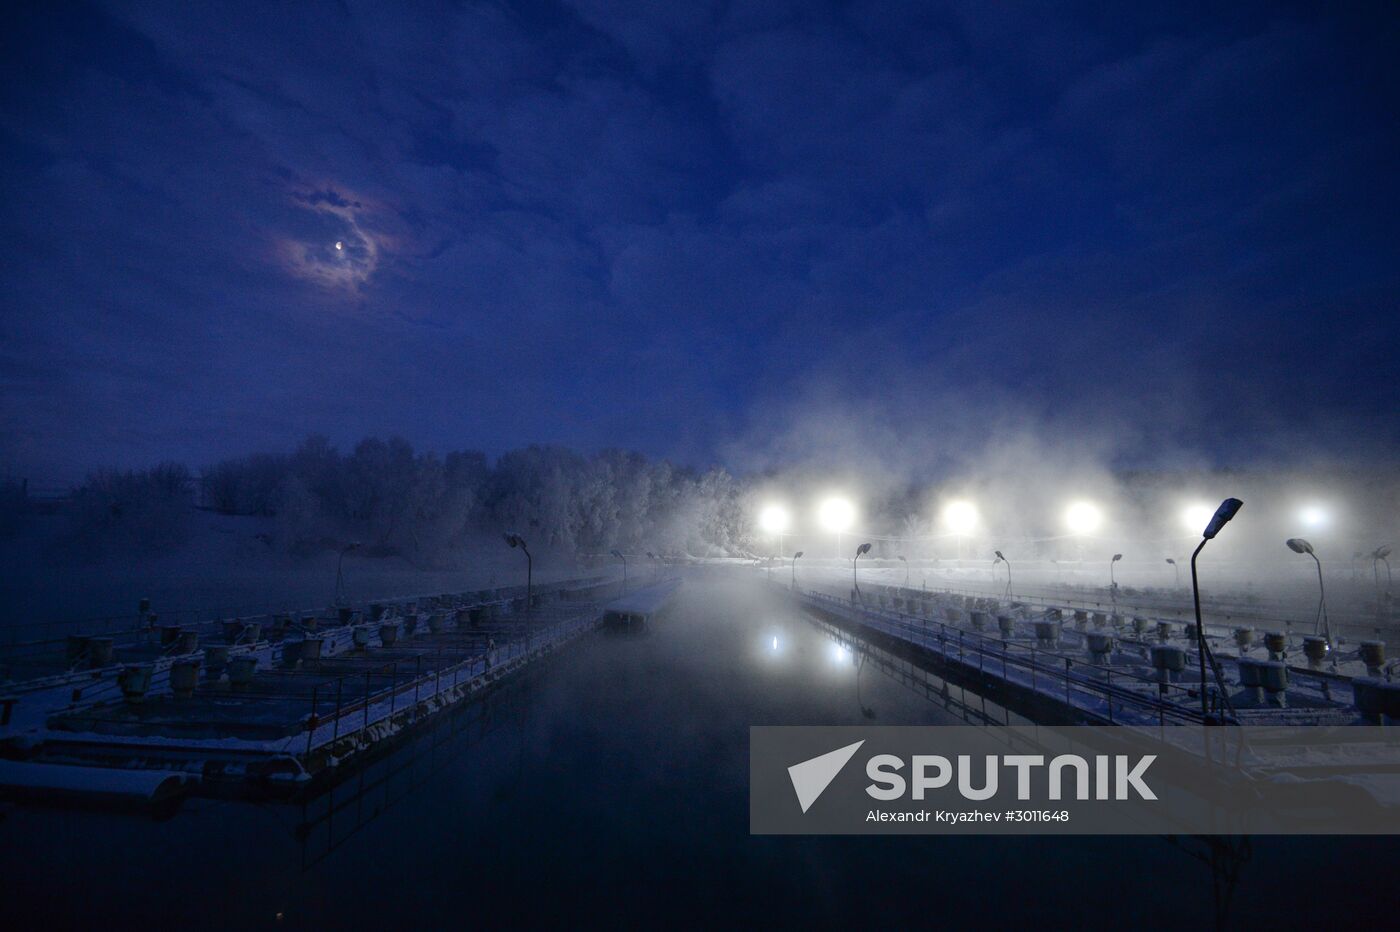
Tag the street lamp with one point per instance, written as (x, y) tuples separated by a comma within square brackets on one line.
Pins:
[(775, 520), (1313, 516), (618, 554), (961, 518), (339, 567), (1112, 583), (861, 551), (1298, 545), (1083, 518), (906, 570), (795, 557), (515, 540), (1175, 569), (1196, 516), (1227, 510), (1378, 556), (836, 514), (1002, 558)]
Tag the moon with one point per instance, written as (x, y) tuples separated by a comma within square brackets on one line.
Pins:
[(339, 245)]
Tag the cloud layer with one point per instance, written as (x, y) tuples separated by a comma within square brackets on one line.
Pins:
[(745, 232)]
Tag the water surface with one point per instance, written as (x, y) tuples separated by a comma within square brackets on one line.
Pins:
[(612, 786)]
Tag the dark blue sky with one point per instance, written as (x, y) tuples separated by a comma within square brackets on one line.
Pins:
[(732, 232)]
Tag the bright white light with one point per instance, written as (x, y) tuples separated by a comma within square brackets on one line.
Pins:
[(1313, 516), (775, 642), (960, 517), (339, 246), (839, 654), (836, 514), (774, 519), (1083, 518), (1196, 517)]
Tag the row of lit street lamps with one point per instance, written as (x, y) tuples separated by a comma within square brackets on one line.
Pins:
[(837, 515)]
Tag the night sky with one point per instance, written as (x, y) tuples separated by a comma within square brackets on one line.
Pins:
[(723, 233)]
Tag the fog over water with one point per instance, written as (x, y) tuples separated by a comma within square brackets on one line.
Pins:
[(115, 543)]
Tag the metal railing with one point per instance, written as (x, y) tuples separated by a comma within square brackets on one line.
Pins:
[(369, 707), (1044, 671), (1273, 614)]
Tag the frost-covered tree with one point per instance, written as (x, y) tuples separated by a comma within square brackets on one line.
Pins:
[(397, 501), (134, 510)]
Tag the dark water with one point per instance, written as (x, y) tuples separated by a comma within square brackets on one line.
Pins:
[(611, 788)]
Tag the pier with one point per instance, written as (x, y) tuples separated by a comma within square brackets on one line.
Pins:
[(1062, 664), (265, 705)]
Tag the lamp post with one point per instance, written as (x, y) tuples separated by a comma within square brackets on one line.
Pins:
[(1378, 556), (515, 540), (1112, 583), (836, 514), (1002, 559), (1298, 545), (1176, 569), (1082, 519), (961, 518), (795, 557), (618, 554), (861, 551), (339, 569), (774, 520), (906, 570), (1227, 510)]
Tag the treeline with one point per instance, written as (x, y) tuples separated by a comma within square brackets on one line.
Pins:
[(395, 500)]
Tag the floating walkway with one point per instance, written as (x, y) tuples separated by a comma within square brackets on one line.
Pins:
[(264, 705), (1061, 665), (636, 611)]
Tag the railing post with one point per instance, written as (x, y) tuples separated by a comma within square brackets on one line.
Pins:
[(393, 688), (1109, 674), (417, 676), (335, 729), (367, 689), (1068, 702), (311, 720)]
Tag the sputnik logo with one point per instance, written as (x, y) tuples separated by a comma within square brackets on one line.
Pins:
[(811, 777)]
